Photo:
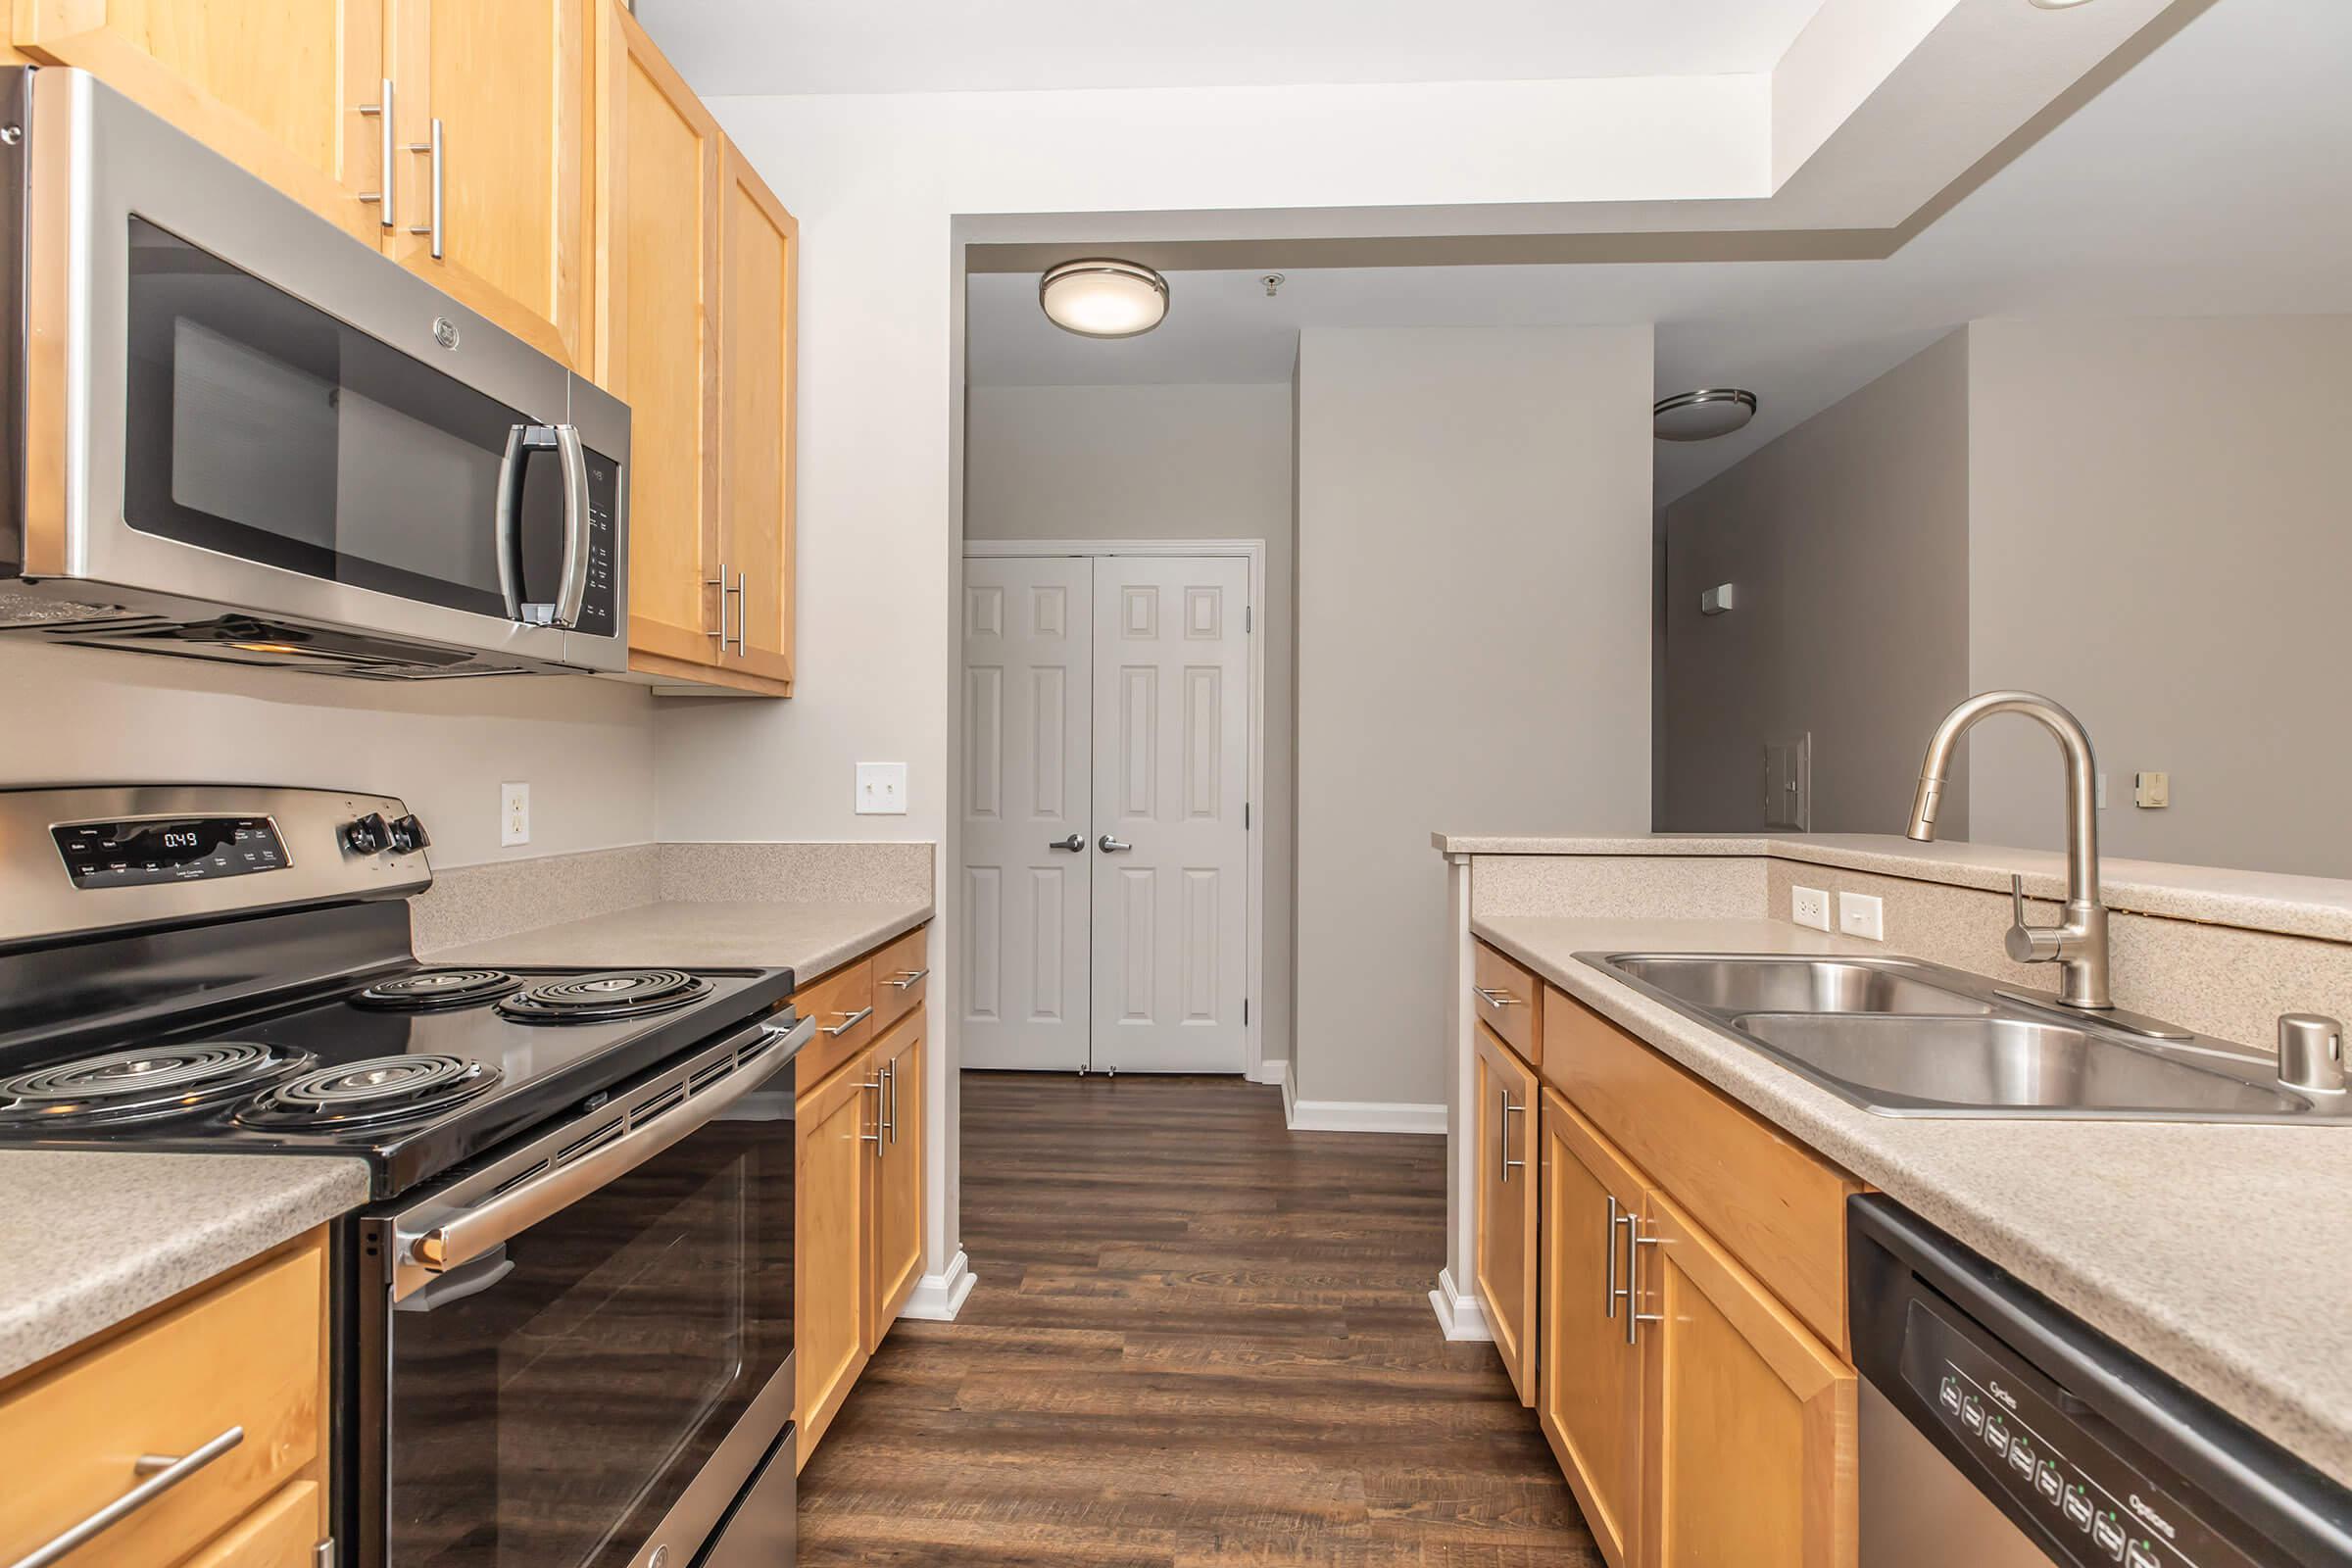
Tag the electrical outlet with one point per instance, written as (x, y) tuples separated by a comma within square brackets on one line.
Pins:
[(514, 813), (881, 789), (1862, 914), (1809, 906)]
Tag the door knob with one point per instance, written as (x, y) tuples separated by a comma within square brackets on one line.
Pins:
[(1075, 843), (1111, 846)]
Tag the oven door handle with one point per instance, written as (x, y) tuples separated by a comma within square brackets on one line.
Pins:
[(571, 594), (471, 1233)]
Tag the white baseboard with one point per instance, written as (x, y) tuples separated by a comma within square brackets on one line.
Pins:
[(1273, 1070), (1462, 1317), (1361, 1115), (938, 1298)]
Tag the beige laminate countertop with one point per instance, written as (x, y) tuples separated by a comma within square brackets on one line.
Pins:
[(86, 1240), (2221, 1254), (806, 938)]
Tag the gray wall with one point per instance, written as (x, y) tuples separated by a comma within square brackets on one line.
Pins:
[(1474, 646), (2162, 540), (1110, 463), (1846, 541)]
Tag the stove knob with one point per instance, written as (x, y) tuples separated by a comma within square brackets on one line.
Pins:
[(367, 835), (408, 835)]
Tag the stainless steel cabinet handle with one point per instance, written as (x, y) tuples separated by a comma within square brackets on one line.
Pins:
[(1495, 999), (162, 1472), (742, 617), (1111, 846), (876, 1084), (890, 1101), (1608, 1262), (720, 582), (1075, 844), (1508, 1111), (1635, 1317), (848, 1021), (434, 148), (382, 109), (907, 979)]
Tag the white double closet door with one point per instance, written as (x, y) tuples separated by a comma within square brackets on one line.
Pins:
[(1105, 882)]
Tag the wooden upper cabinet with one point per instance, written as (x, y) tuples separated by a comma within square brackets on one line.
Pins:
[(899, 1176), (656, 270), (1751, 1418), (509, 82), (760, 254), (277, 85)]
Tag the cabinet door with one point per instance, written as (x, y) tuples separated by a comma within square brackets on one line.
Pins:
[(1749, 1416), (758, 272), (509, 84), (287, 1529), (899, 1173), (1589, 1397), (656, 344), (274, 84), (832, 1268), (1505, 1231)]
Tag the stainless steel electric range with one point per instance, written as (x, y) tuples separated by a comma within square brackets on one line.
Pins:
[(564, 1327)]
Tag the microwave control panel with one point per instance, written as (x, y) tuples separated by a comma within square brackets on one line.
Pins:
[(2098, 1507), (145, 850), (604, 505)]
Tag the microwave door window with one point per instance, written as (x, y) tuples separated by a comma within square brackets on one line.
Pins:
[(263, 428)]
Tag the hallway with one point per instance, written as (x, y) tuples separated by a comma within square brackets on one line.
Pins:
[(1198, 1338)]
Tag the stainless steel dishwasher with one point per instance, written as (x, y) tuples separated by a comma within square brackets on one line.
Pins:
[(1999, 1431)]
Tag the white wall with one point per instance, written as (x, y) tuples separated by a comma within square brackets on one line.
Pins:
[(1474, 649), (82, 716), (2159, 539), (1110, 463)]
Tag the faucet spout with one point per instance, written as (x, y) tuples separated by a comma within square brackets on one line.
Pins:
[(2079, 946)]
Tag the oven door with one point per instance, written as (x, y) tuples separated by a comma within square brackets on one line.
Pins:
[(587, 1343), (236, 405)]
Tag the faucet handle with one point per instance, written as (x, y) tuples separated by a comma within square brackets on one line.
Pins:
[(2030, 944)]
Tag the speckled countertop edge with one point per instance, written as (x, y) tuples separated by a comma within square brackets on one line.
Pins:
[(2258, 901), (806, 938), (2219, 1253), (88, 1239)]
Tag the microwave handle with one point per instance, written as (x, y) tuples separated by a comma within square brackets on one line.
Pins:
[(523, 441), (472, 1232)]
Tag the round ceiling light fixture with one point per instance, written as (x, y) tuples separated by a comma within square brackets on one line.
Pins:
[(1097, 296), (2057, 5), (1703, 416)]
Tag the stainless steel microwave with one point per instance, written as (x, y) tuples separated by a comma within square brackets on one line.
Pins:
[(233, 431)]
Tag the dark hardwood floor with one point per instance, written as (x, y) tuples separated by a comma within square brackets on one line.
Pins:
[(1198, 1338)]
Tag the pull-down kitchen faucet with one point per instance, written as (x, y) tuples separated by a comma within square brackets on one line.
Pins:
[(2078, 947)]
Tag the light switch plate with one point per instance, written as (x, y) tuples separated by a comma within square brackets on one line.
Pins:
[(514, 813), (1809, 906), (1862, 914), (881, 789)]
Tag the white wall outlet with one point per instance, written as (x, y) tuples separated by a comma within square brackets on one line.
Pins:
[(514, 813), (1809, 906), (881, 789), (1862, 914), (2152, 791)]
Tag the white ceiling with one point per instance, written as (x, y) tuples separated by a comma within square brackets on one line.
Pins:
[(826, 46), (2208, 182)]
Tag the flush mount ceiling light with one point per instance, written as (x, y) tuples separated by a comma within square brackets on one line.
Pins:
[(2058, 5), (1703, 416), (1097, 297)]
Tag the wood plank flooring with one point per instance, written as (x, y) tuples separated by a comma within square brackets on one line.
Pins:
[(1198, 1338)]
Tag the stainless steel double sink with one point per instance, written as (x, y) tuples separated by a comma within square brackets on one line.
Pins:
[(1905, 1038)]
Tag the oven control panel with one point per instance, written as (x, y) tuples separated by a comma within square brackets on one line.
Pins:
[(2097, 1506), (145, 850)]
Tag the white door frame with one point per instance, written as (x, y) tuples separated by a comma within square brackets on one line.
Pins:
[(1254, 552)]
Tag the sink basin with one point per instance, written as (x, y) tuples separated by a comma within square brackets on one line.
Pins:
[(1994, 1066), (1903, 1037), (1794, 985)]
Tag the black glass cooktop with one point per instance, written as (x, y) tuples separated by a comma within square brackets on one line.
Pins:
[(413, 1068)]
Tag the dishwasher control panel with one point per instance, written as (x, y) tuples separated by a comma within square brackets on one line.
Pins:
[(2098, 1507)]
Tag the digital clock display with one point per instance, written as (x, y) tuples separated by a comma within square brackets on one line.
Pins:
[(151, 849)]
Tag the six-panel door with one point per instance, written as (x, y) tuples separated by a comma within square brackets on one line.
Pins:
[(1504, 1127)]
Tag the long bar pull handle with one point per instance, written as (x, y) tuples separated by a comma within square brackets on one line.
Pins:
[(162, 1472), (1495, 999), (1635, 1317), (1508, 1111), (743, 618), (876, 1084), (889, 1100), (1608, 1262), (720, 582), (907, 979), (848, 1021), (434, 148), (386, 199)]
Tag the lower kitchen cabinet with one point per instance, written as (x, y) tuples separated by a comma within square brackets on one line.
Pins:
[(833, 1182), (1504, 1266), (1588, 1363), (898, 1175)]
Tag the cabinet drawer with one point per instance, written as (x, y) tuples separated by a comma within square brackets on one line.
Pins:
[(1775, 1205), (277, 1533), (1507, 999), (901, 973), (246, 1354), (843, 1005)]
